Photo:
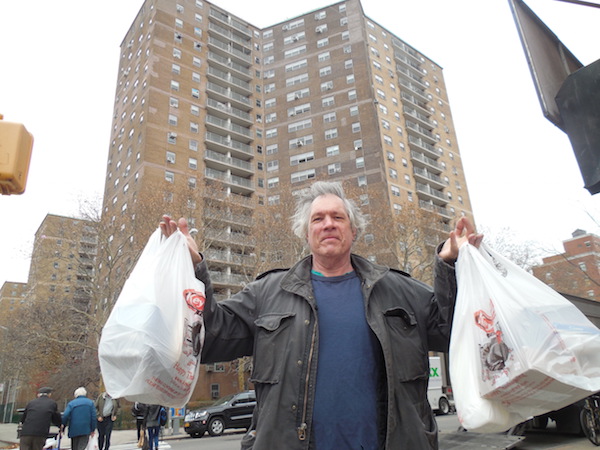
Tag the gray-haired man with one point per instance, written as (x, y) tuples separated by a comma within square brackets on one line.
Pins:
[(340, 344)]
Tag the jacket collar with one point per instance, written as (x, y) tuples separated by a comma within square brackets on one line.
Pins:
[(296, 279)]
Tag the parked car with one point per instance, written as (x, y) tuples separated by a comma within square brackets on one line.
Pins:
[(233, 411)]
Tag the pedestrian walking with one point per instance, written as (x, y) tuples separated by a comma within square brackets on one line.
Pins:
[(138, 410), (40, 413), (80, 418), (107, 409), (152, 424)]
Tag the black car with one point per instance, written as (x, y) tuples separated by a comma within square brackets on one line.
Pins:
[(233, 411)]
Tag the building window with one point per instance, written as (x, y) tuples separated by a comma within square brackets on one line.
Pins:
[(302, 158), (362, 180), (329, 117), (334, 168), (333, 150), (360, 162), (303, 175), (193, 163), (272, 182), (332, 133), (169, 176), (327, 101), (170, 158), (324, 71), (356, 127)]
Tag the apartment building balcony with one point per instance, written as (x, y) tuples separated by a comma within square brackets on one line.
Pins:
[(231, 22), (225, 143), (229, 279), (420, 145), (426, 177), (405, 49), (444, 212), (409, 99), (420, 132), (236, 183), (226, 257), (421, 119), (224, 236), (434, 195), (219, 125), (413, 89), (228, 50), (408, 62), (420, 160), (223, 162), (410, 77), (227, 64), (224, 111), (226, 80), (226, 95), (226, 215), (228, 34)]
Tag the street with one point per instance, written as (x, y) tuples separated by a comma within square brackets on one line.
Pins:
[(448, 424)]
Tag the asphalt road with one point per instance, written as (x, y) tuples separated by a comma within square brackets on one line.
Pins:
[(448, 426)]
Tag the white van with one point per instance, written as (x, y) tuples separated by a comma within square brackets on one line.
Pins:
[(436, 391)]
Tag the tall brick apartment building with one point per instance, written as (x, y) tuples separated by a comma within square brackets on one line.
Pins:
[(205, 97)]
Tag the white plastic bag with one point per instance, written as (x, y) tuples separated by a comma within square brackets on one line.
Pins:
[(518, 348), (92, 442), (150, 344), (51, 443)]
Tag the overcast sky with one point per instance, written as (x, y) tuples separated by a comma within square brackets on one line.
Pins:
[(59, 68)]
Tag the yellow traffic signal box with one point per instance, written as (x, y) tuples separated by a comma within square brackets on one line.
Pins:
[(15, 154)]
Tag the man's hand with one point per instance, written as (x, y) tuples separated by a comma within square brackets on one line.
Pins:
[(463, 232), (100, 419), (168, 226)]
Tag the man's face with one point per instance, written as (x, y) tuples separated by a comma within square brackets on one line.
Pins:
[(329, 232)]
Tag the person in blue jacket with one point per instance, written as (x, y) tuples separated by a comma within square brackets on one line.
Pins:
[(80, 417)]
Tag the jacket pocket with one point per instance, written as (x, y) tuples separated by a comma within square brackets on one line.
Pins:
[(270, 346), (408, 349)]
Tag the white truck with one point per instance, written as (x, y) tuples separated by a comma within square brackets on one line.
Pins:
[(438, 391)]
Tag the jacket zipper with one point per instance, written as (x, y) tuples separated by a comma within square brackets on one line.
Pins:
[(303, 426)]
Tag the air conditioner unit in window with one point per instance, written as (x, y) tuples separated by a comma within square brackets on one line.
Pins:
[(358, 147), (297, 97), (285, 27), (319, 31), (300, 143)]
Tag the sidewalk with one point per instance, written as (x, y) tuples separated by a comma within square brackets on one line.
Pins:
[(8, 436)]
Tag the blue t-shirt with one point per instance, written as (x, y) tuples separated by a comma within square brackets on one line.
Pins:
[(345, 414)]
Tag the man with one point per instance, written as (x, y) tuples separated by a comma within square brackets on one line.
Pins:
[(340, 344), (138, 410), (107, 409), (39, 414), (152, 424), (80, 417)]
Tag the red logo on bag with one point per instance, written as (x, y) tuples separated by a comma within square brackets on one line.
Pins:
[(194, 299), (494, 353)]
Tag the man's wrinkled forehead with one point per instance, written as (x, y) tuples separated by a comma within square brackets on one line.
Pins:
[(328, 203)]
